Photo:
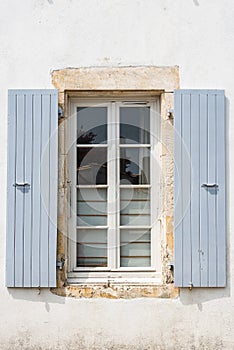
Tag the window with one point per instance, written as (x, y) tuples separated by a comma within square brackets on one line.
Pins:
[(32, 209), (114, 171)]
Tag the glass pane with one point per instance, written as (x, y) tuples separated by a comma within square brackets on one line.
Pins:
[(134, 165), (92, 237), (97, 220), (134, 220), (135, 249), (91, 125), (134, 124), (135, 207), (87, 251), (91, 248), (92, 194), (133, 235), (135, 194), (92, 207), (92, 262), (135, 262), (92, 166)]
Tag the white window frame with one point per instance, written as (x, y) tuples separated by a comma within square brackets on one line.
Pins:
[(113, 271)]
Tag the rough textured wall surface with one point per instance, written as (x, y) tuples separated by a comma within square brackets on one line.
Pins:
[(40, 36)]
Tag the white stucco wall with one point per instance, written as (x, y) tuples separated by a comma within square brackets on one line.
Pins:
[(37, 36)]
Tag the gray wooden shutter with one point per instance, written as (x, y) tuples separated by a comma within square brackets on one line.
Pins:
[(32, 188), (200, 213)]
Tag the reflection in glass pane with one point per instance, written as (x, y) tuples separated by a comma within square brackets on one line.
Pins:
[(91, 248), (91, 125), (135, 194), (91, 220), (133, 235), (92, 194), (92, 262), (92, 207), (87, 251), (134, 165), (135, 207), (92, 166), (92, 237), (134, 125), (134, 220), (135, 249)]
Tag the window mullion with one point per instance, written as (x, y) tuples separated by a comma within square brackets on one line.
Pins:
[(117, 190), (111, 209)]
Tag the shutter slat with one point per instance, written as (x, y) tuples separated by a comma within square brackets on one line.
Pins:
[(36, 208), (200, 212), (11, 156), (212, 194), (44, 190), (221, 203), (19, 219), (203, 194), (195, 190), (31, 239), (27, 197)]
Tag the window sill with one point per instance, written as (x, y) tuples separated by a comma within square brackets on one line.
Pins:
[(115, 290), (143, 277)]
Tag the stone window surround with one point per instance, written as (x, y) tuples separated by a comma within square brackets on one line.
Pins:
[(117, 81)]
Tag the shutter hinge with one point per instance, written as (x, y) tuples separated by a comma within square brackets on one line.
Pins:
[(60, 112), (170, 113), (60, 264), (171, 265), (190, 286)]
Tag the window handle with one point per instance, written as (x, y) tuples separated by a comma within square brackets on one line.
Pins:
[(210, 185), (69, 197), (21, 184)]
